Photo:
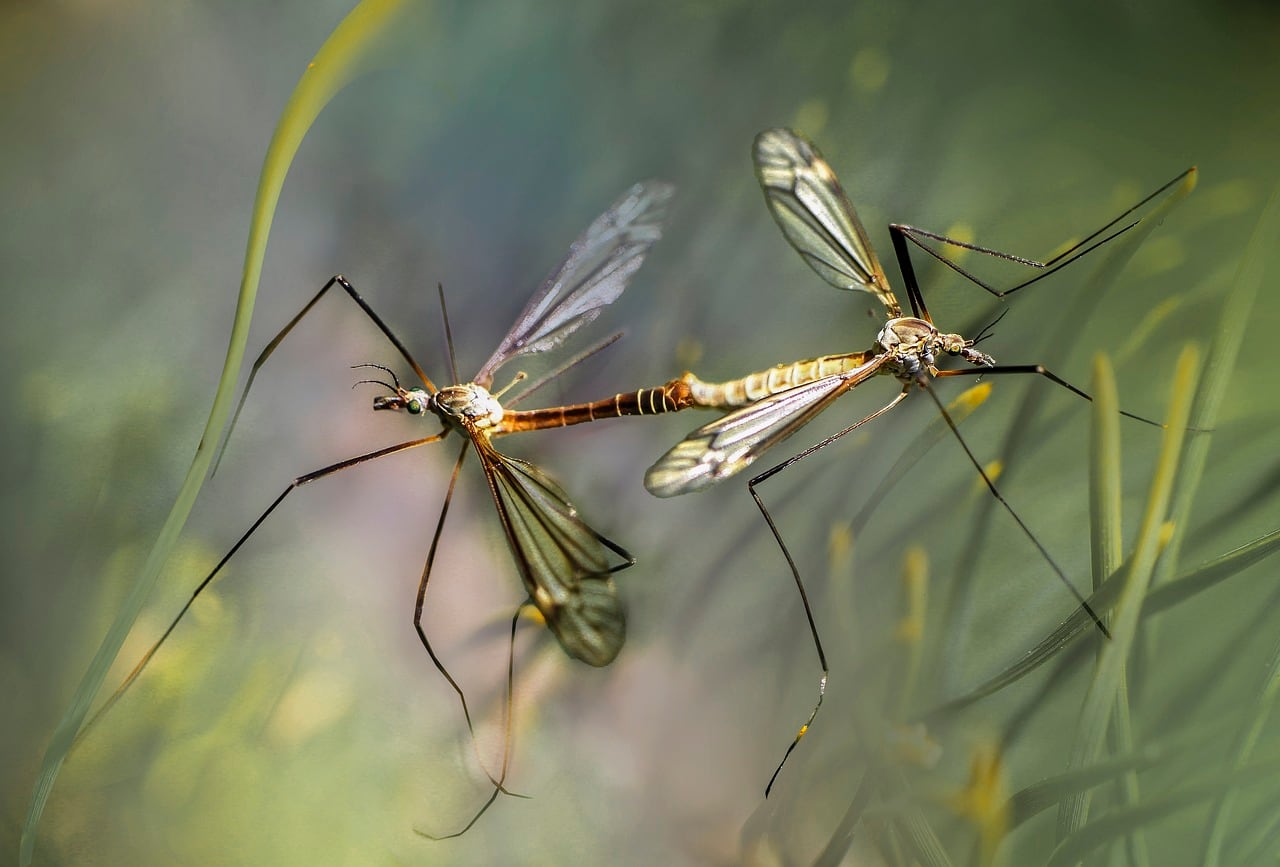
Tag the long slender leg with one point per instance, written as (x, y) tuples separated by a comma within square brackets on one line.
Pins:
[(499, 782), (902, 233), (498, 788), (1039, 370), (932, 434), (795, 571), (422, 595), (294, 485), (995, 492), (419, 604), (899, 233), (341, 282)]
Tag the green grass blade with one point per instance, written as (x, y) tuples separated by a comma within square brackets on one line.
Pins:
[(1212, 573), (833, 854), (1257, 834), (1122, 821), (1037, 798), (1246, 743), (1105, 537), (1106, 546), (1219, 367), (340, 58), (1118, 253), (1029, 802), (1100, 698), (1130, 794), (1220, 364), (1260, 494), (1199, 579), (921, 839)]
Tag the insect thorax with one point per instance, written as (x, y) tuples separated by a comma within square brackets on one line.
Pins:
[(914, 346), (911, 343), (468, 403)]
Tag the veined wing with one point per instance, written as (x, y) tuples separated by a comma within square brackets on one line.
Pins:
[(806, 200), (600, 264), (563, 562), (726, 446)]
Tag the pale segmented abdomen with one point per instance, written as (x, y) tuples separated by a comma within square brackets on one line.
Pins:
[(761, 384)]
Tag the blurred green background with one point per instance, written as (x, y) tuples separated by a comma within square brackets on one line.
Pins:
[(294, 718)]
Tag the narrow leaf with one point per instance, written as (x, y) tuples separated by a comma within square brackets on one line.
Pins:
[(1099, 700), (338, 61)]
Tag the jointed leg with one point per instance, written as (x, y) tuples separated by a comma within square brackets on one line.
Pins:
[(498, 787), (991, 486), (294, 485), (341, 282), (422, 594), (902, 233), (795, 571), (1039, 370)]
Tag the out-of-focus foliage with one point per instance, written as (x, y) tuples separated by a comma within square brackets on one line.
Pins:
[(294, 718), (352, 45)]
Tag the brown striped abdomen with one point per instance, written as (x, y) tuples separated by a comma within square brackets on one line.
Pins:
[(671, 397)]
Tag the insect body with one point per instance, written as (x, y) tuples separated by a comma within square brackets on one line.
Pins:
[(810, 207), (906, 347), (565, 565)]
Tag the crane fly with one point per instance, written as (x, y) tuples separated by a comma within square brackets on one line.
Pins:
[(565, 565), (810, 207)]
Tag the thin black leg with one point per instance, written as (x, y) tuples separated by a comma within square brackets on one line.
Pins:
[(341, 282), (995, 492), (498, 784), (902, 233), (294, 485), (1038, 370), (795, 571)]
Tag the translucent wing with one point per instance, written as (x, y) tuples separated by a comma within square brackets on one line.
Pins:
[(600, 264), (806, 200), (563, 562), (726, 446)]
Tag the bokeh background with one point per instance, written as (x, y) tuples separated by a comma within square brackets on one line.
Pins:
[(294, 718)]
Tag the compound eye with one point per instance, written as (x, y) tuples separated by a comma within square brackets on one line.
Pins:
[(413, 406)]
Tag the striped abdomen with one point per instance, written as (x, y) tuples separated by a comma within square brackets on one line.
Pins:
[(755, 386), (671, 397)]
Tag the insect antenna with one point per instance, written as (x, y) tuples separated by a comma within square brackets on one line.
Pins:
[(384, 369), (342, 283), (988, 329), (387, 385)]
